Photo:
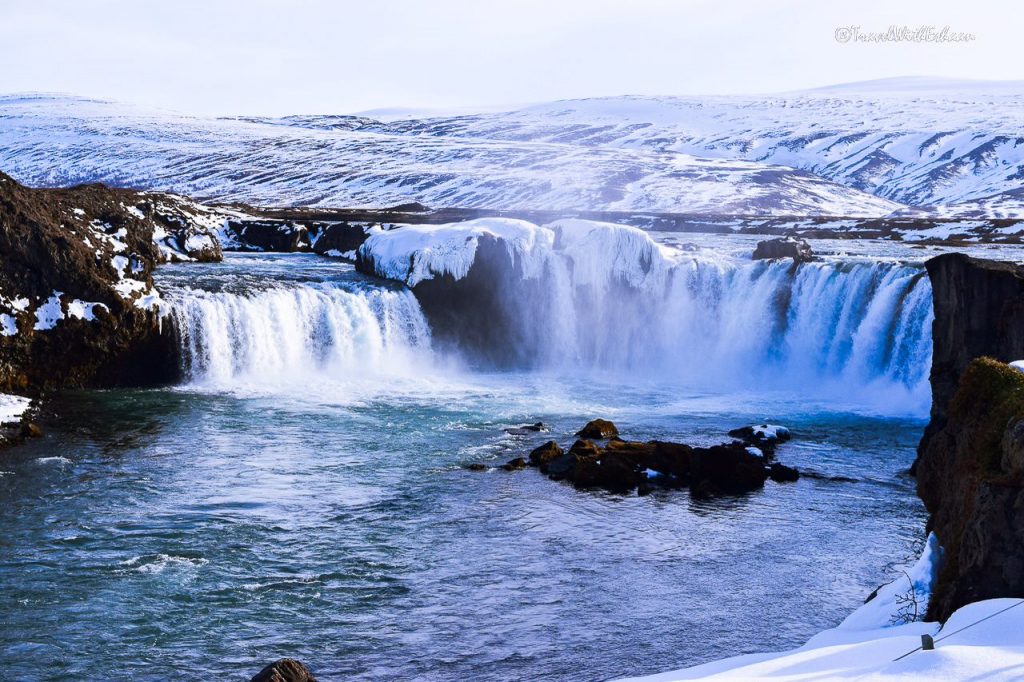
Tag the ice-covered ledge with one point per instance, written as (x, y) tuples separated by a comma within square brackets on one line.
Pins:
[(981, 640)]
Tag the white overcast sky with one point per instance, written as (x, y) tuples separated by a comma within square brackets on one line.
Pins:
[(316, 56)]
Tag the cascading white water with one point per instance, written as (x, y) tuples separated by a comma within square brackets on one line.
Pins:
[(597, 297), (594, 298), (848, 327), (288, 332)]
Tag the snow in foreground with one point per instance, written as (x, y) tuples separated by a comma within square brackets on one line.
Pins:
[(984, 640)]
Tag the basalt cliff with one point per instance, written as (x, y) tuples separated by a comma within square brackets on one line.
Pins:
[(970, 466), (77, 303)]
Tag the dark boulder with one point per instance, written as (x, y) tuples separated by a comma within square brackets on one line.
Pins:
[(585, 448), (526, 429), (727, 469), (339, 239), (582, 454), (76, 289), (598, 429), (621, 466), (545, 453), (559, 467), (614, 471), (780, 473), (515, 464), (672, 460), (477, 466), (284, 670), (784, 247)]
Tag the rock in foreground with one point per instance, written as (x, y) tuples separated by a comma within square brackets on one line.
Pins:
[(979, 311), (621, 466), (599, 429), (284, 670)]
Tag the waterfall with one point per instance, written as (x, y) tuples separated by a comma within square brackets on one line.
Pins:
[(291, 332), (854, 325), (578, 296), (582, 299)]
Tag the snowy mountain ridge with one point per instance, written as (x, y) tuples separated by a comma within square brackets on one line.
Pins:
[(903, 146), (351, 161), (921, 142)]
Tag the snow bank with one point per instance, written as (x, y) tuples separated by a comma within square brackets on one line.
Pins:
[(8, 325), (84, 310), (599, 252), (414, 253), (991, 649), (12, 407), (603, 251), (984, 640), (198, 242), (890, 605)]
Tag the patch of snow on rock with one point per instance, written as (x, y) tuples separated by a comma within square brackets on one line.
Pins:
[(198, 242), (84, 310), (49, 313), (8, 325), (770, 431), (12, 407)]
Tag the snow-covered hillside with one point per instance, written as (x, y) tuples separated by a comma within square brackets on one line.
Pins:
[(954, 148), (918, 141), (352, 161)]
